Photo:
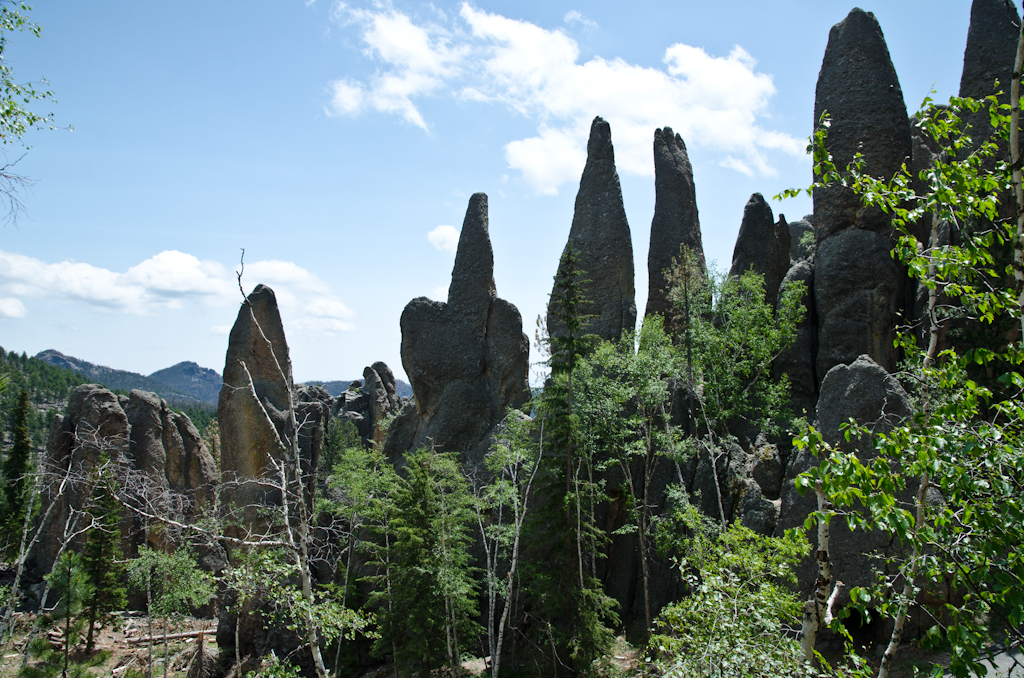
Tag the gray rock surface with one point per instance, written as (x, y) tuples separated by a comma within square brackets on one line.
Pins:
[(467, 359), (762, 245), (989, 55), (797, 231), (675, 221), (161, 448), (870, 395), (601, 238), (798, 359), (858, 290), (371, 404), (257, 363), (858, 87)]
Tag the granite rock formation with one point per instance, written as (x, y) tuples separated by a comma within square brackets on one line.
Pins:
[(258, 402), (142, 435), (799, 249), (675, 221), (798, 359), (762, 245), (467, 359), (988, 57), (864, 391), (858, 288), (601, 239), (367, 403)]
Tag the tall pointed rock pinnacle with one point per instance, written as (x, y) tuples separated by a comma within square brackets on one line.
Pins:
[(472, 286), (675, 219), (762, 245), (601, 239), (858, 289), (467, 359), (991, 48), (257, 362)]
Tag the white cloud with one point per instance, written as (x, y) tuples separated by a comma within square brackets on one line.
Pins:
[(12, 308), (170, 280), (421, 58), (439, 293), (445, 238), (713, 101), (574, 17), (222, 330)]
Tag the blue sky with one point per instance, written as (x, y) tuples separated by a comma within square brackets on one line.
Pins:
[(338, 144)]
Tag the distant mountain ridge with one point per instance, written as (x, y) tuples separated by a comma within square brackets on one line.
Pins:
[(183, 394), (183, 385)]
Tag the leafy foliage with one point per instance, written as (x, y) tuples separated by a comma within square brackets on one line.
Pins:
[(735, 618)]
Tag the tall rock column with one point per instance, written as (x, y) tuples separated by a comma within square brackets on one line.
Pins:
[(467, 359), (601, 239), (989, 55), (675, 219), (858, 288), (256, 400)]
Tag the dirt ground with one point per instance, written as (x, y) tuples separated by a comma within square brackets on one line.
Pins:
[(116, 655)]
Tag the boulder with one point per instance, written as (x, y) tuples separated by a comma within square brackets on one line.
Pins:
[(675, 221), (601, 239), (762, 245), (467, 359), (864, 391), (369, 406)]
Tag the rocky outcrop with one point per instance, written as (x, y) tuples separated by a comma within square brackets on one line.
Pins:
[(799, 233), (762, 245), (988, 57), (858, 289), (259, 409), (867, 393), (467, 359), (160, 450), (368, 403), (601, 240), (675, 221), (797, 360)]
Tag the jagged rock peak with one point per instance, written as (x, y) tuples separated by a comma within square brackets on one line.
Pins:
[(472, 286), (991, 48), (675, 221), (858, 87), (600, 237), (762, 245)]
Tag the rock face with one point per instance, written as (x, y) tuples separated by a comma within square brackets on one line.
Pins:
[(798, 359), (370, 402), (161, 447), (256, 363), (798, 230), (601, 239), (869, 394), (858, 289), (991, 47), (762, 245), (675, 220), (467, 359)]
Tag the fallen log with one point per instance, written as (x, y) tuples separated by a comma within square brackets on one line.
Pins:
[(170, 636)]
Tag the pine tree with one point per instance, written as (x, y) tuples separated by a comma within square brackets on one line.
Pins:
[(102, 561), (68, 579), (564, 590), (428, 607), (16, 471)]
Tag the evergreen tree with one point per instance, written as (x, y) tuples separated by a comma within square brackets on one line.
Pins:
[(16, 471), (564, 590), (102, 561), (69, 581), (428, 607)]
